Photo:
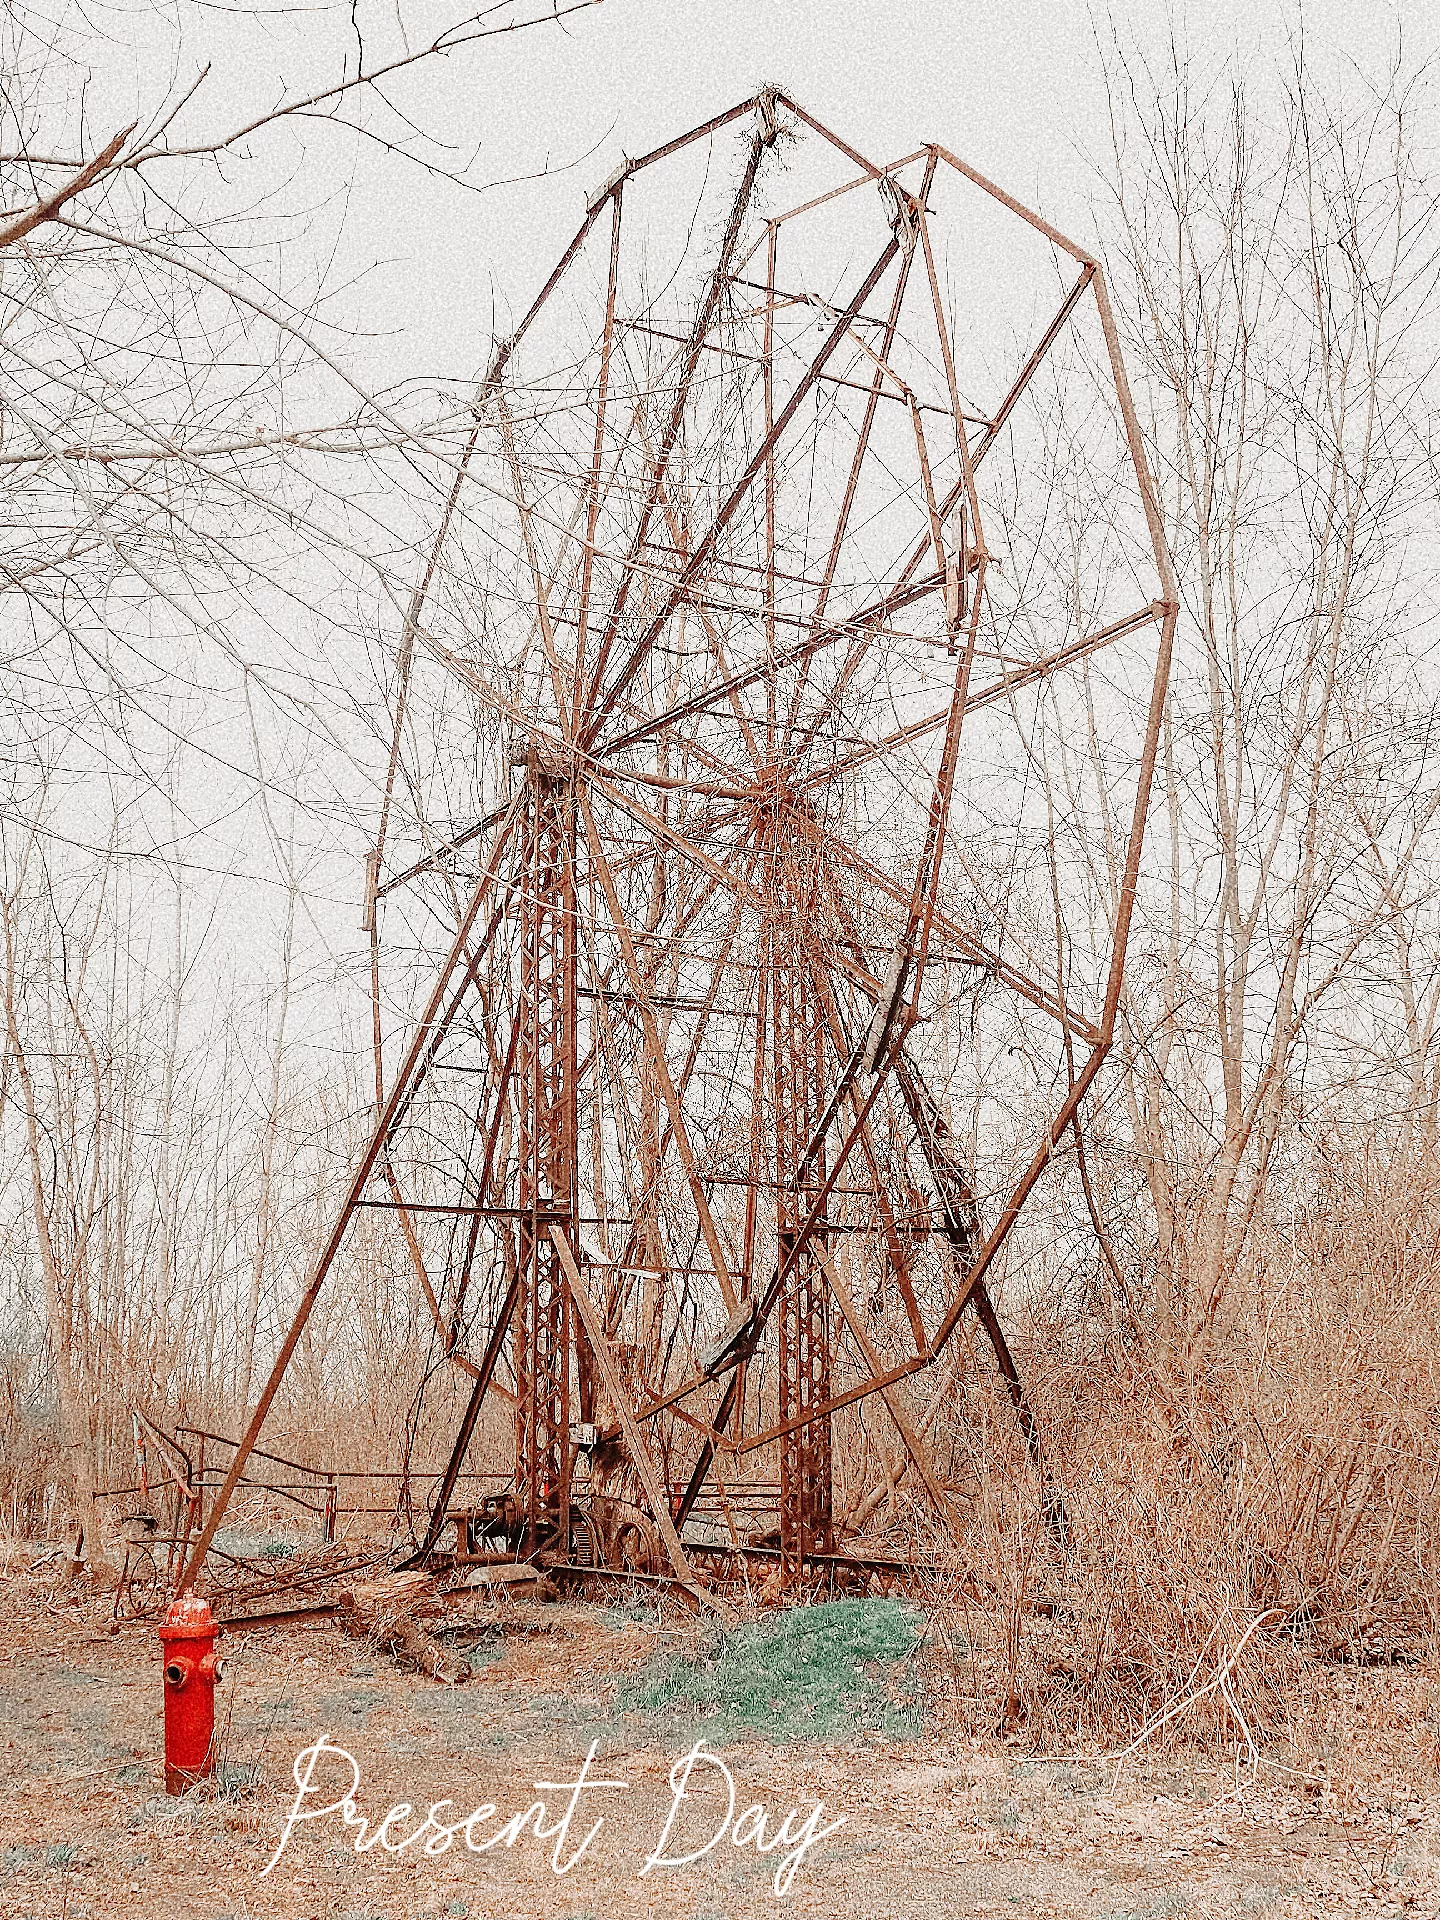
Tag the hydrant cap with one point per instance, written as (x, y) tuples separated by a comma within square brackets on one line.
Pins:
[(188, 1618)]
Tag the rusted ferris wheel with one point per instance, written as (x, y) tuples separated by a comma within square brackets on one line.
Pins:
[(740, 584)]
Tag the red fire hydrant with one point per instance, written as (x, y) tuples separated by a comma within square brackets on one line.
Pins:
[(191, 1670)]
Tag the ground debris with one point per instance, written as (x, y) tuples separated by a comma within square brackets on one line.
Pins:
[(389, 1611)]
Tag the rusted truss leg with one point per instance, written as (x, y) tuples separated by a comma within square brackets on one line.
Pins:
[(734, 1387), (545, 1078), (483, 1375), (805, 1450), (1052, 1500), (634, 1439), (541, 1355), (439, 1011), (910, 1439), (961, 1229)]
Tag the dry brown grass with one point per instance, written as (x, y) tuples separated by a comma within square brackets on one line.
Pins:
[(1249, 1525), (1239, 1516)]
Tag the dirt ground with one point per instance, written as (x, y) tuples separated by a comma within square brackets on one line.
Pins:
[(934, 1825)]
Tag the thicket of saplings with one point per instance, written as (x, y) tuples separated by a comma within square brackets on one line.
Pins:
[(1218, 1506)]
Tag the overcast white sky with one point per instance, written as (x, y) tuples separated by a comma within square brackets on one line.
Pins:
[(1016, 88), (430, 270)]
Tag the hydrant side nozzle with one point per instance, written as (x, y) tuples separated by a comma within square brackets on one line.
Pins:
[(178, 1671)]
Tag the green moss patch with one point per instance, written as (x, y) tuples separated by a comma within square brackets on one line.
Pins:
[(813, 1673)]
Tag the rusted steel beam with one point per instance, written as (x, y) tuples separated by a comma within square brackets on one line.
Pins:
[(602, 708), (484, 1374), (427, 1035), (635, 1440)]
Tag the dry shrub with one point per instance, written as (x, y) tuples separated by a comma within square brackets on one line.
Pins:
[(33, 1471), (1233, 1513)]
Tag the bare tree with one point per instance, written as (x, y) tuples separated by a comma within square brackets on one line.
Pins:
[(1283, 273), (200, 490)]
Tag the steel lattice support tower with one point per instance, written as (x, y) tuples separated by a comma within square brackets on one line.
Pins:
[(545, 1068), (798, 1078)]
